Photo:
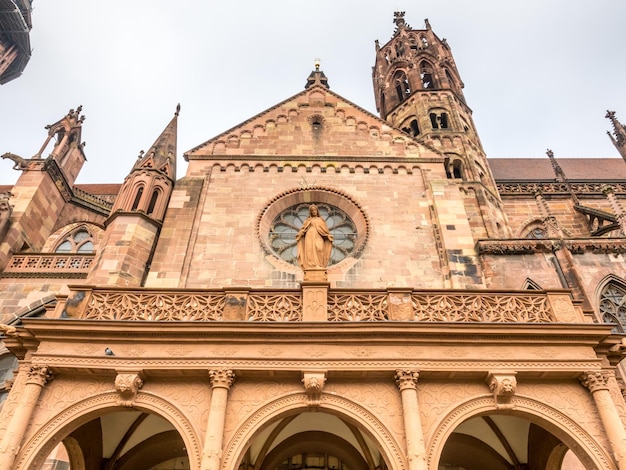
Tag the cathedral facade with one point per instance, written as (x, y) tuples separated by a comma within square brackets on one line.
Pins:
[(469, 313)]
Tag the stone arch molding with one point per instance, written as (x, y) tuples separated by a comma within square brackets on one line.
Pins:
[(40, 444), (586, 448), (389, 447)]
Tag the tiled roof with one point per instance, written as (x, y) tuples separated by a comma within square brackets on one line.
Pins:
[(575, 169)]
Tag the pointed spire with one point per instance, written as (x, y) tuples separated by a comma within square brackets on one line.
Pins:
[(560, 175), (162, 154), (619, 131), (316, 77)]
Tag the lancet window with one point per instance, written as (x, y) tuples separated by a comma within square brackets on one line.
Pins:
[(613, 305)]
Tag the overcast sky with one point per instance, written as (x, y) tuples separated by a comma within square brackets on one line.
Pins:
[(537, 73)]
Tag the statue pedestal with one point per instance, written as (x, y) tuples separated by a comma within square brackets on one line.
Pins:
[(316, 275), (314, 301)]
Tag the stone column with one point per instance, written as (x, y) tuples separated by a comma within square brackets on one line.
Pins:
[(221, 381), (597, 384), (415, 448), (38, 376)]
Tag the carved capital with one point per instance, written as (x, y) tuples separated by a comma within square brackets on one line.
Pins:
[(407, 379), (128, 385), (595, 380), (38, 375), (503, 386), (314, 384), (221, 378)]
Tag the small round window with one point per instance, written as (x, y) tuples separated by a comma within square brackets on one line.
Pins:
[(285, 226)]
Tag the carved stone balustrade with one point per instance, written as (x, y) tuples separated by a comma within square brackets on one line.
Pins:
[(588, 188), (342, 306), (56, 265)]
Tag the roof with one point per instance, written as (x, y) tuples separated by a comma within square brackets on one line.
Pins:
[(575, 169)]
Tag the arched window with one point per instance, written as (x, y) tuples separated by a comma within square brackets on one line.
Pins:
[(153, 201), (426, 74), (79, 240), (412, 129), (137, 199), (402, 85), (613, 305)]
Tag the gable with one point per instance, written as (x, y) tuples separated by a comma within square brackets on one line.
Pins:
[(314, 123)]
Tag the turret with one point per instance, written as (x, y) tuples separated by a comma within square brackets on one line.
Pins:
[(133, 227)]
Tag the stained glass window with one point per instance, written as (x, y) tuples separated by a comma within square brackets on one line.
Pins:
[(282, 236)]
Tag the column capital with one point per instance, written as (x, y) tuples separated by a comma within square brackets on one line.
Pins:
[(39, 375), (594, 380), (407, 379), (221, 378)]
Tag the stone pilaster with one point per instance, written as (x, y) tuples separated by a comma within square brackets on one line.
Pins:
[(37, 377), (221, 381), (597, 384), (415, 448)]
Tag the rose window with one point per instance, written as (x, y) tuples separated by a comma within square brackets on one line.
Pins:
[(283, 230)]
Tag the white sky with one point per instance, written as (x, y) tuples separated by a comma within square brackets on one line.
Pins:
[(537, 73)]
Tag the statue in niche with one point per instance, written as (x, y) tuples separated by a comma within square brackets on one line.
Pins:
[(315, 242)]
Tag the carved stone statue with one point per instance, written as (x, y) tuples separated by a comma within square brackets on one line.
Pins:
[(315, 242), (19, 163)]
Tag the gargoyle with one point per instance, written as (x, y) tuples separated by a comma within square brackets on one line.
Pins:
[(19, 163)]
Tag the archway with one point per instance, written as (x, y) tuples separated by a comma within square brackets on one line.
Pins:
[(336, 434), (97, 434), (122, 440), (505, 442), (307, 440), (531, 434)]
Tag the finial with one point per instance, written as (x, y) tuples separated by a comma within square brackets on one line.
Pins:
[(317, 62), (427, 23), (177, 109), (550, 153)]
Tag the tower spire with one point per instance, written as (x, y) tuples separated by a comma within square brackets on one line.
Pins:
[(162, 153)]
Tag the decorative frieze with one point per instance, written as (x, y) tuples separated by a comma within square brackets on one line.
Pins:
[(526, 246), (596, 189)]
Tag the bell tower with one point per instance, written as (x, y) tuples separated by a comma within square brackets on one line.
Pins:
[(419, 90)]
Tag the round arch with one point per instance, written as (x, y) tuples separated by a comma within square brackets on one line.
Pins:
[(584, 446), (36, 449), (390, 449)]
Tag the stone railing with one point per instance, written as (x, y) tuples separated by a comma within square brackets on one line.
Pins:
[(340, 306), (515, 188), (49, 265)]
